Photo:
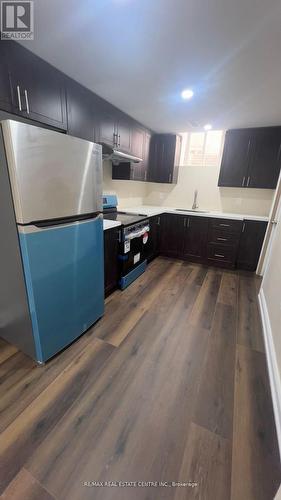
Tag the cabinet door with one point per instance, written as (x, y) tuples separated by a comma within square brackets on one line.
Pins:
[(124, 134), (251, 241), (138, 149), (172, 235), (146, 156), (235, 159), (110, 259), (82, 111), (107, 125), (154, 237), (166, 158), (37, 88), (264, 166), (5, 89), (154, 155), (195, 239), (162, 161), (138, 142)]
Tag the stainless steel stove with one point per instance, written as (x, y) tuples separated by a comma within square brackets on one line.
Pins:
[(133, 244)]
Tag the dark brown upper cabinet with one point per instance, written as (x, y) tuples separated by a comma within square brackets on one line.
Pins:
[(264, 165), (114, 128), (140, 148), (106, 127), (251, 158), (138, 142), (82, 110), (37, 88), (235, 159), (164, 158), (124, 133), (5, 88)]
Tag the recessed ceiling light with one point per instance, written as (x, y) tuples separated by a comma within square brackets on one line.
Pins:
[(187, 94), (208, 126)]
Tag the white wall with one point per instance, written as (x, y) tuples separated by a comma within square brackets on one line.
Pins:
[(205, 179), (210, 197), (130, 193), (271, 287)]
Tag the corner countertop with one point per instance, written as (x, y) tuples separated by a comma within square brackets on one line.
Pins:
[(150, 211), (109, 224)]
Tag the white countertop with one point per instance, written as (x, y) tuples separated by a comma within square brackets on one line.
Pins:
[(149, 211), (109, 224)]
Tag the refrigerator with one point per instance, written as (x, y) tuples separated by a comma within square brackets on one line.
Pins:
[(51, 248)]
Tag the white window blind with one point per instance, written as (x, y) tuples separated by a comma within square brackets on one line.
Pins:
[(200, 149)]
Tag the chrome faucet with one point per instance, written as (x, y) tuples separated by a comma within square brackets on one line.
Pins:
[(195, 204)]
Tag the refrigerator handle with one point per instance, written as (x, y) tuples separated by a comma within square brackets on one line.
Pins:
[(35, 228), (19, 98)]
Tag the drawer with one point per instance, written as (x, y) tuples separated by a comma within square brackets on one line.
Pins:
[(227, 225), (222, 253), (223, 237)]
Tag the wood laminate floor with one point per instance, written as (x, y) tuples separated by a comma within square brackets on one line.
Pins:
[(170, 385)]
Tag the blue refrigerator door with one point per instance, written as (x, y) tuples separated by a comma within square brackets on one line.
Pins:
[(64, 273)]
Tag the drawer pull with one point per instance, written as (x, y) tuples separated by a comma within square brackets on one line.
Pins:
[(225, 225), (219, 255), (222, 239)]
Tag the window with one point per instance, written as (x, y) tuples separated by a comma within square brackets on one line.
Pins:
[(201, 149)]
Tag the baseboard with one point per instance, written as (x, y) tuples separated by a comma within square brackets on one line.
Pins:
[(274, 376)]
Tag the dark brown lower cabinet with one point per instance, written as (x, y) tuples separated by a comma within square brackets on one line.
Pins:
[(251, 241), (195, 238), (111, 267), (224, 243), (154, 237), (172, 235)]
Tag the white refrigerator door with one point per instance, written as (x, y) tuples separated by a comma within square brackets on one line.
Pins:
[(52, 175)]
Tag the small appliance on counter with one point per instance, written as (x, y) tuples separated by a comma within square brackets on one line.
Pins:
[(51, 252), (133, 244)]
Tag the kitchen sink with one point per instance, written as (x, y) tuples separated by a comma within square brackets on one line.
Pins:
[(190, 210)]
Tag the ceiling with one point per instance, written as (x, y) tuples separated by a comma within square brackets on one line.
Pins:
[(140, 55)]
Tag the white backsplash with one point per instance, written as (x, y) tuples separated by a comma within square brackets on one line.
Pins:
[(180, 195)]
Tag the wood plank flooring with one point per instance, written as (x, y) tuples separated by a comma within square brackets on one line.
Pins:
[(170, 385)]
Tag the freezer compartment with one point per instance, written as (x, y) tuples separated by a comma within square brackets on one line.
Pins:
[(64, 274), (52, 175)]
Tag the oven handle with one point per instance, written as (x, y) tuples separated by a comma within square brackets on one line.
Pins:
[(137, 234)]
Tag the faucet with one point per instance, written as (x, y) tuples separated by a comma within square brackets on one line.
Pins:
[(195, 204)]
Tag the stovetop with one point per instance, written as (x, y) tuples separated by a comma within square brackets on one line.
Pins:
[(125, 218)]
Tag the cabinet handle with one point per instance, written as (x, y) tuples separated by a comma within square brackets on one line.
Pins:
[(222, 239), (158, 221), (219, 255), (188, 222), (243, 182), (119, 140), (145, 176), (225, 225), (114, 139), (26, 101), (243, 227), (170, 177), (19, 97), (248, 181)]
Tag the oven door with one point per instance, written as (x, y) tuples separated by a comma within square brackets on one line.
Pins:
[(134, 250)]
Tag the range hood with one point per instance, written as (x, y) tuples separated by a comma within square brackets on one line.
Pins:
[(116, 156)]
